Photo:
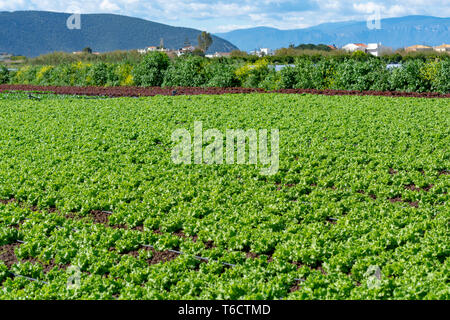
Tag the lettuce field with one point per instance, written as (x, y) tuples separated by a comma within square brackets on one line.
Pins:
[(93, 207)]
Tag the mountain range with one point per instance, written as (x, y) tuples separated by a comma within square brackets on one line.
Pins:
[(394, 32), (32, 33)]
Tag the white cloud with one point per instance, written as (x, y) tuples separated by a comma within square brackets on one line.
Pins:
[(107, 5), (368, 7)]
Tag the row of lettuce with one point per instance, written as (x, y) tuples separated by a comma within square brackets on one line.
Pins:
[(156, 69)]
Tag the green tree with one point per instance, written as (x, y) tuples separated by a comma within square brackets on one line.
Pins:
[(150, 72), (87, 50), (4, 74), (204, 41), (186, 71)]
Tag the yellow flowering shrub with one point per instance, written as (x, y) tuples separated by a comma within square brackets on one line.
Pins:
[(251, 73), (430, 70)]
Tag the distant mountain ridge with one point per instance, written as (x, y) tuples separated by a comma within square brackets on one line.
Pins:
[(32, 33), (394, 32)]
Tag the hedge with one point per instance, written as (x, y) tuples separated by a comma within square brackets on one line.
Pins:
[(357, 72)]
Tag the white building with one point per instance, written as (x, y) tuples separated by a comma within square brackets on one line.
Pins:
[(352, 47), (148, 49), (185, 50), (377, 49), (443, 48), (262, 52), (152, 49), (219, 55)]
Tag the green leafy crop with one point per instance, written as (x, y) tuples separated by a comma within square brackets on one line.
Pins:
[(358, 209)]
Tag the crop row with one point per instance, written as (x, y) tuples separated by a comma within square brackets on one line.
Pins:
[(362, 186)]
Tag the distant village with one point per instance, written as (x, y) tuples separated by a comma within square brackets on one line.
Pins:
[(375, 49)]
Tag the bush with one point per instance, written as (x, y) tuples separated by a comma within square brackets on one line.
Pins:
[(324, 75), (304, 69), (411, 77), (220, 74), (186, 71), (288, 78), (357, 72), (150, 71), (251, 75), (44, 76), (74, 74), (362, 75), (25, 75), (125, 74), (99, 74), (272, 81), (4, 74), (361, 56), (309, 75), (441, 82)]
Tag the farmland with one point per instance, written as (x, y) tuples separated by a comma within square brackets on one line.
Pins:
[(94, 208)]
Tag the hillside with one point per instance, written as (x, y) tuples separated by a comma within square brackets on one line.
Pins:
[(395, 33), (32, 33)]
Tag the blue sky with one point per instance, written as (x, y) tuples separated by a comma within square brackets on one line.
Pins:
[(221, 16)]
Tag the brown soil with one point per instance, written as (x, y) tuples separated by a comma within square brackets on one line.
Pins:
[(47, 266), (152, 91), (7, 254), (180, 234), (119, 226), (295, 287), (319, 268), (100, 217), (210, 244), (392, 171), (331, 221), (396, 199), (158, 256), (73, 216), (287, 185), (414, 204), (251, 255), (7, 201), (298, 264), (413, 187)]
